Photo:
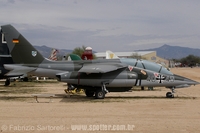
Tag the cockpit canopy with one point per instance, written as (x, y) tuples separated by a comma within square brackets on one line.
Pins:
[(148, 65)]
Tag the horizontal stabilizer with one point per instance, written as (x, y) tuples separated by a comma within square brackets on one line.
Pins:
[(18, 70)]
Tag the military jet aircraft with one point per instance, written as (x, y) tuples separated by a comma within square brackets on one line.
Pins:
[(111, 55), (96, 77), (53, 55), (5, 58)]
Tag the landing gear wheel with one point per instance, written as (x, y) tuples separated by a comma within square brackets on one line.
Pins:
[(25, 79), (89, 93), (169, 95), (100, 94), (7, 82)]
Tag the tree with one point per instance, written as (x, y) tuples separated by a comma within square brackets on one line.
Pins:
[(137, 56), (190, 60), (79, 51)]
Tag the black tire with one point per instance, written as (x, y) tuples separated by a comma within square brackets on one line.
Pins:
[(89, 93), (169, 95), (25, 79), (100, 94), (7, 82), (142, 88)]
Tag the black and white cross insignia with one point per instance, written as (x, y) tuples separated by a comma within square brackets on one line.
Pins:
[(160, 78)]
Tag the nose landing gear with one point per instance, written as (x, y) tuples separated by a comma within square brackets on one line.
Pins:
[(170, 94)]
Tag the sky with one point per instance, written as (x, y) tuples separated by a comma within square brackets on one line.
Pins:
[(116, 25)]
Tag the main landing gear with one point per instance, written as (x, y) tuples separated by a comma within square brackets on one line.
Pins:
[(99, 93), (89, 93), (170, 94)]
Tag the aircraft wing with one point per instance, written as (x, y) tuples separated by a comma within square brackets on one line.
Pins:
[(101, 67), (16, 70)]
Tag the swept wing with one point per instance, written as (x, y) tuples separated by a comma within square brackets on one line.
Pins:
[(101, 67)]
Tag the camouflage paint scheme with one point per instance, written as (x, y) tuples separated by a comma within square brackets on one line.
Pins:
[(97, 77)]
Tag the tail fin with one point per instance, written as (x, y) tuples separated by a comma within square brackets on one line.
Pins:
[(21, 50), (73, 57), (111, 55), (53, 55), (3, 45)]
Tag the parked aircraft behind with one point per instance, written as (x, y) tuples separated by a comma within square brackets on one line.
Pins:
[(5, 58), (53, 55), (111, 55), (96, 77), (73, 57)]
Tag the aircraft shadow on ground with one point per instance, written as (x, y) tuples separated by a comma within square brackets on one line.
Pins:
[(14, 98), (82, 98)]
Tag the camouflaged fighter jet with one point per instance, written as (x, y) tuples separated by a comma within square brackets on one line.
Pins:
[(96, 77), (5, 58)]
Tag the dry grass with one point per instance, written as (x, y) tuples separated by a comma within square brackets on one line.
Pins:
[(148, 111)]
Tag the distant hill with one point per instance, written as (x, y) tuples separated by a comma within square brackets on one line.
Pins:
[(165, 51), (174, 52), (46, 51)]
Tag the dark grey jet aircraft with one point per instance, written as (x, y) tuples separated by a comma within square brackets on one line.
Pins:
[(96, 77), (5, 58)]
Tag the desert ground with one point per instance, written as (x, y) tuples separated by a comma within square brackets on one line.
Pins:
[(136, 111)]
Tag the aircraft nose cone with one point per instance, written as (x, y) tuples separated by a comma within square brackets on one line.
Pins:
[(186, 80)]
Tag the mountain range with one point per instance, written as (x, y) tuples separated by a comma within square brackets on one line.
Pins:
[(165, 51), (46, 51), (174, 52)]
